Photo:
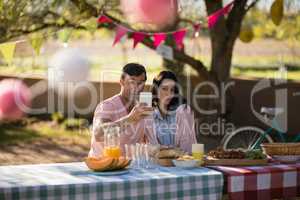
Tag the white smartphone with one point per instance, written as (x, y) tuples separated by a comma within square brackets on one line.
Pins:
[(146, 97)]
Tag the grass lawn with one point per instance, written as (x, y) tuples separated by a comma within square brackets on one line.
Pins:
[(41, 142), (237, 72)]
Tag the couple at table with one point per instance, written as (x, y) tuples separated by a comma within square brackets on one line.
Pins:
[(168, 122)]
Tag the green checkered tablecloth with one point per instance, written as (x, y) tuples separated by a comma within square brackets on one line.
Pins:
[(75, 181)]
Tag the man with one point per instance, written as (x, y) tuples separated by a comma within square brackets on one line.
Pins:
[(122, 110)]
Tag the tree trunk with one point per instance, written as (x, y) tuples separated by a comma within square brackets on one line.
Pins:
[(223, 36), (221, 58)]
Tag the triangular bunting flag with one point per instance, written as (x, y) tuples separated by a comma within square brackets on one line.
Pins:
[(36, 42), (213, 18), (7, 50), (65, 35), (104, 19), (159, 38), (138, 37), (178, 37), (120, 32)]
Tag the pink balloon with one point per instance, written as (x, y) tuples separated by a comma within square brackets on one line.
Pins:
[(160, 13), (15, 98)]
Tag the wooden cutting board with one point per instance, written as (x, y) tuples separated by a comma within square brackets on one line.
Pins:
[(234, 162)]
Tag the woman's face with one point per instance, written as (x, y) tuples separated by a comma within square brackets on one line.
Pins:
[(166, 91)]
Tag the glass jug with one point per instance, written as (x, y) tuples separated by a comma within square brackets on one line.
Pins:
[(112, 142)]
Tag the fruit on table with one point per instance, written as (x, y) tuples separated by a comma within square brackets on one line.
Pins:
[(122, 163), (106, 163), (99, 164)]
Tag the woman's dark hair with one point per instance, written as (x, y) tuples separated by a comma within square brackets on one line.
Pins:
[(157, 81)]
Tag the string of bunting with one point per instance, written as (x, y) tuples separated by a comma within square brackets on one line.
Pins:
[(160, 37), (7, 49)]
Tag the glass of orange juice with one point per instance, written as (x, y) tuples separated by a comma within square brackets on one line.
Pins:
[(112, 142)]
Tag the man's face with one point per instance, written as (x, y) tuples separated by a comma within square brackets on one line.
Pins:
[(133, 85)]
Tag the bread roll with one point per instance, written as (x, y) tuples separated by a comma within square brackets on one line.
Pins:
[(170, 153)]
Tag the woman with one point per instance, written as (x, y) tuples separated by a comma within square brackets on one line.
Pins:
[(173, 118)]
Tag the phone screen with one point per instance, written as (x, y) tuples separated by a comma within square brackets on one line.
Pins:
[(146, 97)]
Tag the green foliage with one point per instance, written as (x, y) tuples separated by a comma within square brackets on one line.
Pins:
[(57, 117), (1, 5), (255, 154), (263, 26), (75, 124), (91, 25)]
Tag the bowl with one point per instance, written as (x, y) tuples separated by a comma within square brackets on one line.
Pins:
[(186, 163)]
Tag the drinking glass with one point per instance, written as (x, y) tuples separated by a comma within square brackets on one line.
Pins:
[(153, 152), (132, 153), (138, 149), (148, 164), (144, 156)]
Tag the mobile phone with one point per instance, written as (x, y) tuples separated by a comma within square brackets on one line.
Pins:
[(146, 97)]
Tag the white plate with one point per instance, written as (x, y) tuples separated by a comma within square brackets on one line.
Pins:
[(287, 158), (111, 173)]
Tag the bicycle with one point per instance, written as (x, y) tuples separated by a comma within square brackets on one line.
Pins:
[(250, 137)]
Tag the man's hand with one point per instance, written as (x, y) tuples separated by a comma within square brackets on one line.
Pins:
[(138, 112)]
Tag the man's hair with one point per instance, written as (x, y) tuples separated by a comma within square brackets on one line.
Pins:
[(133, 69)]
